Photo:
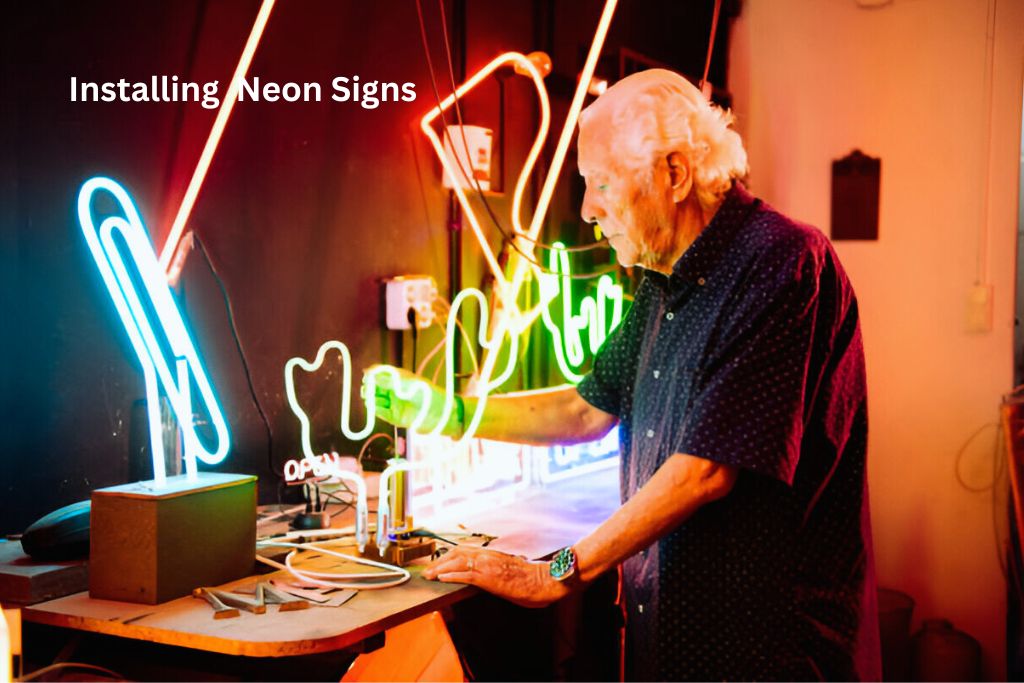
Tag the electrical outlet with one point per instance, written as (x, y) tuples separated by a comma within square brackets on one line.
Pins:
[(979, 309), (409, 291)]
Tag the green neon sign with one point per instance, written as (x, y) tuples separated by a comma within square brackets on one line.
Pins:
[(592, 322)]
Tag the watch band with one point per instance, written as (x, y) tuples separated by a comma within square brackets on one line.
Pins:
[(563, 564)]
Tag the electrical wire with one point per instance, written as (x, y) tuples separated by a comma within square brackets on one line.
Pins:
[(38, 673), (433, 352), (711, 44), (366, 444), (474, 182), (345, 580), (963, 450), (465, 337), (241, 353), (999, 465), (283, 512), (345, 504)]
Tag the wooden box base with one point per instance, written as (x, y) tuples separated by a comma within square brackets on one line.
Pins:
[(151, 545)]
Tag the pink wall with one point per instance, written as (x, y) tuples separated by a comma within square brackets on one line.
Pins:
[(906, 82)]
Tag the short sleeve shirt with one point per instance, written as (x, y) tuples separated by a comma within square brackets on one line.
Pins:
[(749, 354)]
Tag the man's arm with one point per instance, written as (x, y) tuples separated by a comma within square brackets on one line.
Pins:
[(539, 417), (543, 416), (678, 489)]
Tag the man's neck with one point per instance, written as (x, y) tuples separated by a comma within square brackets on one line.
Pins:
[(691, 219)]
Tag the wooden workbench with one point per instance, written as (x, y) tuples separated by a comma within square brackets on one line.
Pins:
[(536, 525)]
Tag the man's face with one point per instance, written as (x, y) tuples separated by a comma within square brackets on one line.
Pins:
[(632, 202)]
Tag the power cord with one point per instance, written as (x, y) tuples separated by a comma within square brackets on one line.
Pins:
[(241, 354), (39, 673), (391, 576)]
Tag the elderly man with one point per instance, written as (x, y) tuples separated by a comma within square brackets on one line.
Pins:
[(737, 381)]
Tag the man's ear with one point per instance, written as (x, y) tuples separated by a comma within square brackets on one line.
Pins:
[(679, 176)]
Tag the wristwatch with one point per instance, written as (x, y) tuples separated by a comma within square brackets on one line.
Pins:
[(563, 564)]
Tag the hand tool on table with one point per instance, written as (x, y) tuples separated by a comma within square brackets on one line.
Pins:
[(254, 605), (220, 610), (267, 594)]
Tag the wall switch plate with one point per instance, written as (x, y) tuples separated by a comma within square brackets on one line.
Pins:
[(979, 309), (409, 291)]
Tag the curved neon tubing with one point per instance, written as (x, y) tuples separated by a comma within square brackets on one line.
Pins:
[(567, 342), (405, 390), (115, 274), (492, 344), (531, 158), (509, 292), (568, 128), (176, 385), (367, 582)]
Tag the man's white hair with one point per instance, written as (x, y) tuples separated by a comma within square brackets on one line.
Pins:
[(657, 112)]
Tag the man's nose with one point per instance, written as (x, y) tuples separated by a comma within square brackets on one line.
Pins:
[(590, 210)]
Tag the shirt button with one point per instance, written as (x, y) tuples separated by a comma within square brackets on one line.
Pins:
[(669, 315), (650, 433), (657, 374), (640, 608), (701, 281)]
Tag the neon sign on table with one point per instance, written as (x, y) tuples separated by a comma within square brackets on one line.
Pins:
[(164, 347)]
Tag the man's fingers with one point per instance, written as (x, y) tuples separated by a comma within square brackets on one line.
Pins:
[(458, 577), (453, 561)]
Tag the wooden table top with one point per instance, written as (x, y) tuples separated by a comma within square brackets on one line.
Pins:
[(537, 524)]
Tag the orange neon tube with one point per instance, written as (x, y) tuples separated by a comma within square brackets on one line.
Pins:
[(170, 265), (562, 148), (426, 124)]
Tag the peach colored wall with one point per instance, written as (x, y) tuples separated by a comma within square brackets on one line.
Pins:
[(813, 79)]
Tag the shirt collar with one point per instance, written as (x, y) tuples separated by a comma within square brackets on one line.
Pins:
[(700, 258)]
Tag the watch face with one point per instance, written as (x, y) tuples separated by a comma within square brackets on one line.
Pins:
[(563, 564)]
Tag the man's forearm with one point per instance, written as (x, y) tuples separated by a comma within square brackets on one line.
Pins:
[(678, 489), (544, 416)]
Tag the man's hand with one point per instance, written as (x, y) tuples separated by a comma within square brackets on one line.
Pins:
[(514, 578), (401, 398)]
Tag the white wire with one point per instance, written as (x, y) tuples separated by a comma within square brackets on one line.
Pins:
[(356, 580), (433, 352)]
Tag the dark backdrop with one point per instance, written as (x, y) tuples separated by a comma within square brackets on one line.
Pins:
[(305, 209)]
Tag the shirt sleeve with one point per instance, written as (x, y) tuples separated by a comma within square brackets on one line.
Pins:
[(748, 406), (608, 385)]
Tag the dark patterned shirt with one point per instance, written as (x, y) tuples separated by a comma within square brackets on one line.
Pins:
[(750, 355)]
